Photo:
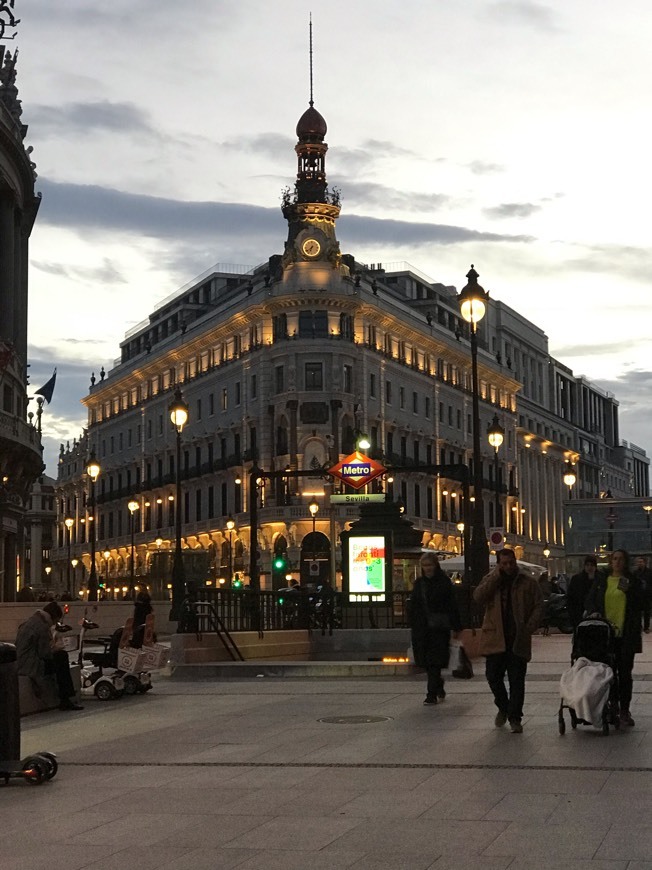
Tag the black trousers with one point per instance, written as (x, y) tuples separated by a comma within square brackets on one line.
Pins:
[(646, 613), (498, 665), (435, 682), (624, 667), (60, 667)]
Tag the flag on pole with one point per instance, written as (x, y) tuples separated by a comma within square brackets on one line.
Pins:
[(47, 389)]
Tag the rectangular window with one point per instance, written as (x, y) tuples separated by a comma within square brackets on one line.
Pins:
[(372, 386), (238, 393), (348, 379), (401, 397), (459, 419), (314, 376), (198, 505), (417, 500), (441, 412), (450, 415), (211, 405), (225, 398), (129, 435), (160, 424), (279, 379), (415, 403), (388, 392), (426, 408), (429, 502), (199, 409), (254, 387), (211, 502)]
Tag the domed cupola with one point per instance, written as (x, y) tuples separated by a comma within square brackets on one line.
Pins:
[(310, 208), (311, 127)]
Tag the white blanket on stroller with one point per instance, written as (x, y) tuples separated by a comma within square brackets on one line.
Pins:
[(585, 688)]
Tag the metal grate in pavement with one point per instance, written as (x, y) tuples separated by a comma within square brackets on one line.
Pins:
[(353, 720)]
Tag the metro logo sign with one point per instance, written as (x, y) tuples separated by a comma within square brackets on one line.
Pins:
[(357, 469)]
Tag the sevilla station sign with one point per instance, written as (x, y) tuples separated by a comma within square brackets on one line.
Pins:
[(357, 469)]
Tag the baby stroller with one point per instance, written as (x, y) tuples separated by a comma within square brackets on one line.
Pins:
[(593, 680)]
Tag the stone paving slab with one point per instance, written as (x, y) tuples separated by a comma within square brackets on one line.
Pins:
[(244, 774)]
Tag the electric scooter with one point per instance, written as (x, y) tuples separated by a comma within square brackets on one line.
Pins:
[(34, 769), (94, 681)]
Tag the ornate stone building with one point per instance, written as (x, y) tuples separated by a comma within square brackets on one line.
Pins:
[(286, 364), (20, 447)]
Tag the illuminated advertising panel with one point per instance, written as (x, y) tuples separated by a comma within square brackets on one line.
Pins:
[(367, 565)]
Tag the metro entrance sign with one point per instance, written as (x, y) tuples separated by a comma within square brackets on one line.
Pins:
[(357, 469)]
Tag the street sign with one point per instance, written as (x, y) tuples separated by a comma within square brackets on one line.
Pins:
[(496, 536), (357, 469), (357, 497)]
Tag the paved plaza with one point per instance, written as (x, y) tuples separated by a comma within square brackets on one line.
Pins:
[(244, 774)]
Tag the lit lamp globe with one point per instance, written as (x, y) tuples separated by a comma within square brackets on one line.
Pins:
[(230, 524), (178, 411), (495, 433), (546, 552), (69, 523), (473, 299), (364, 442), (133, 506), (93, 468), (313, 507), (569, 474)]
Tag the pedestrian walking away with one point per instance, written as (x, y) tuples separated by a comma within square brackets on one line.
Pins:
[(618, 597), (513, 607), (433, 615), (578, 589), (644, 574)]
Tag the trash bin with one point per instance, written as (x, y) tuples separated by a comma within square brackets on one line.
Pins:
[(9, 704)]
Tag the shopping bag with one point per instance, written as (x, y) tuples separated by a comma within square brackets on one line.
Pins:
[(460, 664)]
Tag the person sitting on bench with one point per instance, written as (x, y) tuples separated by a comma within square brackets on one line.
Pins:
[(39, 655)]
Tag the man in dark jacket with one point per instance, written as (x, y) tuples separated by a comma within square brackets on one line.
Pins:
[(644, 574), (38, 655), (513, 608), (578, 589)]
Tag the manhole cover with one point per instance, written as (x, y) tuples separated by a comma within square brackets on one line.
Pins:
[(353, 720)]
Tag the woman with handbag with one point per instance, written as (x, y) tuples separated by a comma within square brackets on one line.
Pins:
[(433, 614)]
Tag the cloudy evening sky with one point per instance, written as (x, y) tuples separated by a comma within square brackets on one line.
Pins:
[(509, 134)]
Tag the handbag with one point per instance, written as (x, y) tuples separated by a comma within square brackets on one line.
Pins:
[(460, 663), (438, 621)]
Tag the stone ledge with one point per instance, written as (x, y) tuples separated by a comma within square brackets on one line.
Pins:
[(49, 700)]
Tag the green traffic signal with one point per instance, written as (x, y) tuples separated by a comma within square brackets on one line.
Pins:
[(279, 563)]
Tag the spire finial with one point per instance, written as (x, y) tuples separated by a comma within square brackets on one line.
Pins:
[(310, 29)]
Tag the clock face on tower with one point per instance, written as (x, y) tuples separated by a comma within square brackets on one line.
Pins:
[(311, 248)]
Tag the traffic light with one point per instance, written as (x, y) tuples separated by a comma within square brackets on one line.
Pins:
[(280, 566)]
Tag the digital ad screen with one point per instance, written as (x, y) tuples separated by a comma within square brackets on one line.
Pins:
[(367, 565)]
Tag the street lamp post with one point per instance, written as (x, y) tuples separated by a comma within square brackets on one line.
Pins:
[(496, 436), (93, 470), (74, 563), (313, 507), (230, 525), (569, 477), (48, 571), (69, 523), (179, 417), (546, 556), (133, 507), (106, 554), (460, 529), (473, 304)]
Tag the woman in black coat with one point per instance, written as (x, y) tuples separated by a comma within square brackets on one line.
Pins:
[(618, 597), (433, 615)]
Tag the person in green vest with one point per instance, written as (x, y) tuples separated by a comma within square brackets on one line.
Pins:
[(618, 598)]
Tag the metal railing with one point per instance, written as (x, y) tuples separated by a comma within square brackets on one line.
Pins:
[(312, 610)]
